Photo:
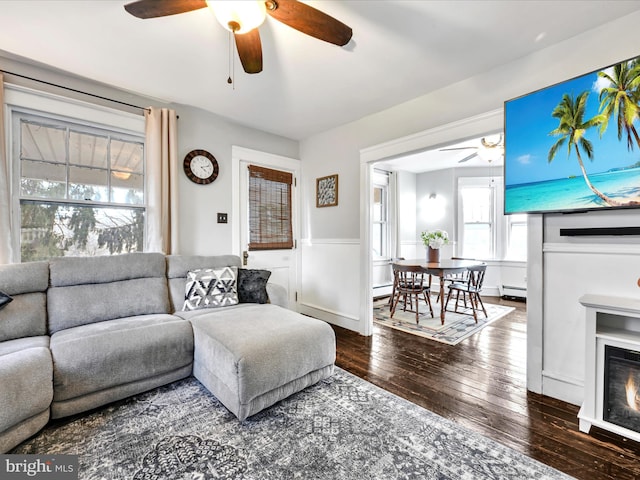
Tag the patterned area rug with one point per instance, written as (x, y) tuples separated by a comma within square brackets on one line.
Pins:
[(457, 326), (341, 428)]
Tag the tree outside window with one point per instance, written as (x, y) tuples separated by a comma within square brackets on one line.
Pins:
[(81, 189)]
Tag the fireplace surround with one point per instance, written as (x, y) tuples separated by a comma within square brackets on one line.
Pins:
[(612, 365)]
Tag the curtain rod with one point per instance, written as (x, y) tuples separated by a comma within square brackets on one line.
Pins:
[(74, 90)]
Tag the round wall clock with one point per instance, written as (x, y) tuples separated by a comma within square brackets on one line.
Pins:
[(201, 167)]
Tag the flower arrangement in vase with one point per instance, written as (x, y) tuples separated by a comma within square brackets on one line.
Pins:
[(433, 240)]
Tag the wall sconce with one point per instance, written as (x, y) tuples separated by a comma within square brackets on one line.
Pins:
[(433, 207)]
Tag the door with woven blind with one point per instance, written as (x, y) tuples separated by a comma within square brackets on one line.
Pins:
[(268, 212)]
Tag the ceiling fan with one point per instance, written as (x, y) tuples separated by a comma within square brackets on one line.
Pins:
[(488, 150), (242, 18)]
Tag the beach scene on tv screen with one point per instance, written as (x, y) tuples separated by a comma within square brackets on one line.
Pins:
[(575, 145)]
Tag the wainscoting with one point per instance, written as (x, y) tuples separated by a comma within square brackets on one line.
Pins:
[(330, 280), (572, 270)]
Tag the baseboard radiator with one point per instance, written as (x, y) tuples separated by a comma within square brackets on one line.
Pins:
[(513, 291)]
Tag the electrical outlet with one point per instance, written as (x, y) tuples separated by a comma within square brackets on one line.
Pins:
[(222, 218)]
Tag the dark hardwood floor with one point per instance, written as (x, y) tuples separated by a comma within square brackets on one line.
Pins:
[(481, 384)]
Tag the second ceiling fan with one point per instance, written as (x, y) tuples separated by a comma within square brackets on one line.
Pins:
[(243, 18), (487, 150)]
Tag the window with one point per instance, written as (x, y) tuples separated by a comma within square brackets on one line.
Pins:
[(80, 188), (517, 237), (485, 233), (380, 216), (270, 213), (477, 204)]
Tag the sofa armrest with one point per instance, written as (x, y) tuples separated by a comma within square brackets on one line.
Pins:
[(278, 295)]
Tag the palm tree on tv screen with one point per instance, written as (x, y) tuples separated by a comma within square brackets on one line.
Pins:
[(571, 129), (619, 100)]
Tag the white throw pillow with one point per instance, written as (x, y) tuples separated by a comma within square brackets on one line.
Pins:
[(208, 287)]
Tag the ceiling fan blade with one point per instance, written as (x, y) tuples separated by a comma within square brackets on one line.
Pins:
[(162, 8), (309, 20), (250, 50), (456, 148), (468, 157)]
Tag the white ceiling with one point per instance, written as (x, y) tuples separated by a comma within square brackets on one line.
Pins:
[(458, 155), (400, 50)]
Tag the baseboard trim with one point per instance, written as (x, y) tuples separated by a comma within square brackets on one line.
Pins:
[(341, 320), (567, 389)]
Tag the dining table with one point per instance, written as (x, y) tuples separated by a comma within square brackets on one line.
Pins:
[(440, 269)]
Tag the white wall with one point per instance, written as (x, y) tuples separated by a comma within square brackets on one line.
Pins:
[(439, 213), (197, 129), (199, 204), (339, 150)]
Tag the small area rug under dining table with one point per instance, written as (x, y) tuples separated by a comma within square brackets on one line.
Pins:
[(457, 326)]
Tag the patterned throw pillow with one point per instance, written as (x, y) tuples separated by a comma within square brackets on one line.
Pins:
[(252, 285), (4, 300), (210, 287)]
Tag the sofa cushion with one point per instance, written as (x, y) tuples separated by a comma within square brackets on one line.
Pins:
[(101, 355), (26, 315), (89, 290), (257, 349), (18, 344), (209, 287), (66, 271), (26, 379), (252, 285), (4, 299)]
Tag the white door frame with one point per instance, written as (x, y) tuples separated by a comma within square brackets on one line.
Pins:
[(269, 160), (432, 138)]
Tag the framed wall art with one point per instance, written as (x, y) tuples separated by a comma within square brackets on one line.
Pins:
[(327, 191)]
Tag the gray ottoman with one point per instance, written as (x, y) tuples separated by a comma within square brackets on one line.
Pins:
[(256, 355)]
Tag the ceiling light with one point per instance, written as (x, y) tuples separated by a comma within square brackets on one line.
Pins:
[(491, 153), (239, 16), (121, 175)]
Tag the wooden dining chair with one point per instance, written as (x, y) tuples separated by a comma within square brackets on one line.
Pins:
[(409, 281), (457, 277), (471, 287), (393, 288)]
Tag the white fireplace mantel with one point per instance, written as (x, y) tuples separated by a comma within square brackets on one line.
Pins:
[(612, 321)]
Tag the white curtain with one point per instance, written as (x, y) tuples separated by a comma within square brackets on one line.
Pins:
[(162, 180), (6, 247), (394, 216)]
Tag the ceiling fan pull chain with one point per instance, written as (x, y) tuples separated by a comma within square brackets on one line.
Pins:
[(231, 61)]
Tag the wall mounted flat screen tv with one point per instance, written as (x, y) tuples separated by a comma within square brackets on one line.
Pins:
[(575, 146)]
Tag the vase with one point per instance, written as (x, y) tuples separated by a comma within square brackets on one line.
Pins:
[(433, 255)]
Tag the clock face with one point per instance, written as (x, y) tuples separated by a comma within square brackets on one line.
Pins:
[(200, 167)]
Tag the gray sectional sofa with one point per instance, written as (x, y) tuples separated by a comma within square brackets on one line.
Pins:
[(83, 332)]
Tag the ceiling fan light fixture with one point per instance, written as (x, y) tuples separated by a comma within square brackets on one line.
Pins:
[(492, 148), (489, 154), (240, 16)]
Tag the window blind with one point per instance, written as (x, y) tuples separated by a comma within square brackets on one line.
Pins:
[(270, 215)]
